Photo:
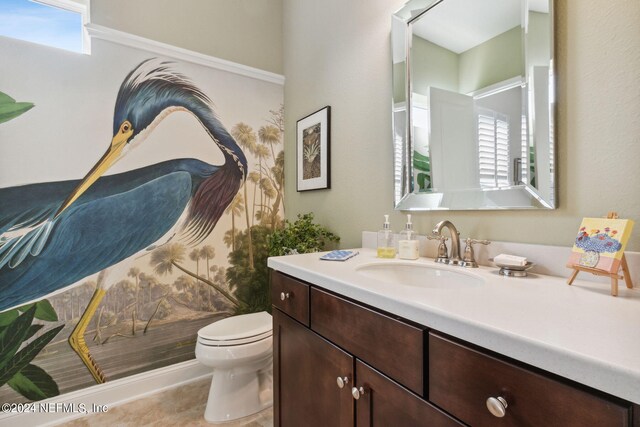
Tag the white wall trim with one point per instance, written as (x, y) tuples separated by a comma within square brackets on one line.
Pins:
[(111, 394), (127, 39)]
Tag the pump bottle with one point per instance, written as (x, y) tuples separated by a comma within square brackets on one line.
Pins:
[(386, 241), (407, 244)]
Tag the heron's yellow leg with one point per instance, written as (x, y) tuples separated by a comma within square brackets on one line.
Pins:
[(77, 342)]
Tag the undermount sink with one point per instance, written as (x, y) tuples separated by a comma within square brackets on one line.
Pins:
[(419, 275)]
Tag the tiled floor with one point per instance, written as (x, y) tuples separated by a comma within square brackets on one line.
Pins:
[(181, 406)]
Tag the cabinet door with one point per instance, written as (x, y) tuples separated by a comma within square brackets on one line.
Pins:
[(386, 403), (306, 369)]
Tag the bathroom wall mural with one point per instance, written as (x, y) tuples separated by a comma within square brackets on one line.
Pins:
[(127, 253)]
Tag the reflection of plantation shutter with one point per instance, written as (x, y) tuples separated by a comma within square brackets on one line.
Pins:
[(502, 152), (493, 150), (486, 151), (524, 153), (399, 116), (552, 147)]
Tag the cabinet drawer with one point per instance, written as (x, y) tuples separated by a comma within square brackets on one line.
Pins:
[(394, 347), (461, 379), (290, 296)]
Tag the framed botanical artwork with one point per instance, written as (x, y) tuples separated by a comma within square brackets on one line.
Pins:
[(600, 243), (313, 134)]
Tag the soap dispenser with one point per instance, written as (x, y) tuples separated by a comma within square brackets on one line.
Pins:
[(407, 244), (386, 241)]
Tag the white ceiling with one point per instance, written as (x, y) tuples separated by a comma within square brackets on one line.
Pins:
[(459, 25)]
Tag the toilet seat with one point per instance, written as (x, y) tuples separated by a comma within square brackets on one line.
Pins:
[(237, 330), (236, 342)]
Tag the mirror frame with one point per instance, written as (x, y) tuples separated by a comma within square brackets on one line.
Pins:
[(406, 196)]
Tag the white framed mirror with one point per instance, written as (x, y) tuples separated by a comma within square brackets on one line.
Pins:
[(474, 105)]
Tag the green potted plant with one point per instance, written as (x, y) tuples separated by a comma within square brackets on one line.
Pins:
[(300, 237)]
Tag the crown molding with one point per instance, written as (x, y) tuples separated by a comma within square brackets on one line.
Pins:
[(131, 40)]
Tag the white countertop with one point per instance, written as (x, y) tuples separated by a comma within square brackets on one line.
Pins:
[(580, 332)]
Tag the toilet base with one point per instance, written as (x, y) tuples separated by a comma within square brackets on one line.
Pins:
[(235, 394)]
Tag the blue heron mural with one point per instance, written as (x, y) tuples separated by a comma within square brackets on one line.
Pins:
[(54, 234)]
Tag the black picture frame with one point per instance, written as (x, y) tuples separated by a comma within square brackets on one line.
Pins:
[(313, 149)]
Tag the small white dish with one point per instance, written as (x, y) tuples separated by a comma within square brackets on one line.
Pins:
[(513, 270)]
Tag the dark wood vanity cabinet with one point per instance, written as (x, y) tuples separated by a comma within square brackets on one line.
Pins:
[(316, 369), (340, 363)]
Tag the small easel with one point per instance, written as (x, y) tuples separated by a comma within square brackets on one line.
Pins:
[(614, 276)]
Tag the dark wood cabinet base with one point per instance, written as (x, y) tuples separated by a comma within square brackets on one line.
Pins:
[(339, 363)]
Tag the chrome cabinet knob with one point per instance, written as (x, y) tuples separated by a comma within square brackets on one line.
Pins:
[(497, 406), (341, 381), (356, 392), (284, 296)]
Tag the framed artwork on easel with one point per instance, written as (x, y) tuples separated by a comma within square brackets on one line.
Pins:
[(600, 243), (599, 249)]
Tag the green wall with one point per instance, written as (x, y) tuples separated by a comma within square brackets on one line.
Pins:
[(492, 61), (432, 65)]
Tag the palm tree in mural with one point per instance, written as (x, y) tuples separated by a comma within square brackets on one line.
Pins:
[(254, 178), (234, 209), (207, 252), (54, 234), (194, 255), (127, 291), (171, 255), (277, 118), (262, 152), (276, 173), (183, 284), (148, 282), (134, 272), (269, 135), (229, 238), (155, 287), (246, 137), (269, 192), (278, 184)]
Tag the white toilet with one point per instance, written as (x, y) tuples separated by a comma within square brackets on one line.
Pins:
[(240, 351)]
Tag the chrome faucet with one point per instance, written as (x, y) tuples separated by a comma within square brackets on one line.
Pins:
[(454, 258)]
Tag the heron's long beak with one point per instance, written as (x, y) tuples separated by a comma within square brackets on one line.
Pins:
[(108, 159)]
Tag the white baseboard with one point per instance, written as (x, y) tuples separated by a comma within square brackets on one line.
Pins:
[(80, 403)]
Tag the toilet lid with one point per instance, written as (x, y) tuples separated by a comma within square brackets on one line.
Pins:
[(236, 330)]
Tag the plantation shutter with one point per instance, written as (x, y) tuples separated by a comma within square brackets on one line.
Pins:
[(524, 153), (493, 149)]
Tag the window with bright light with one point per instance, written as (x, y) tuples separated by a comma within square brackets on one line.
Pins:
[(56, 23), (493, 149)]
